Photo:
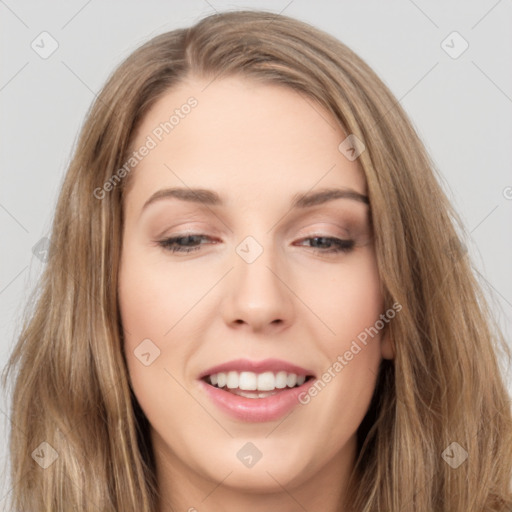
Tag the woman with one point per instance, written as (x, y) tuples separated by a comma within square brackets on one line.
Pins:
[(256, 297)]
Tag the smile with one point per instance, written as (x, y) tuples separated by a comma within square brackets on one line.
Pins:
[(255, 396)]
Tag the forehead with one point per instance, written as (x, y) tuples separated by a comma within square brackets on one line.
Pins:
[(243, 138)]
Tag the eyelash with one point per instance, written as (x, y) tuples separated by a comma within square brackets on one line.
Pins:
[(343, 246)]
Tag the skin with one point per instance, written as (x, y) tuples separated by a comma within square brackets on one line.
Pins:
[(256, 145)]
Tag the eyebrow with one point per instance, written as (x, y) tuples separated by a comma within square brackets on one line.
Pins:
[(299, 200)]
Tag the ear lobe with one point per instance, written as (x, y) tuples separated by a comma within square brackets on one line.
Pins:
[(387, 347)]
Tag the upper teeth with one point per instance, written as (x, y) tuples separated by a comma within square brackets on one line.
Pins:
[(249, 381)]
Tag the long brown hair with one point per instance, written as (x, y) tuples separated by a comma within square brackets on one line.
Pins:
[(444, 386)]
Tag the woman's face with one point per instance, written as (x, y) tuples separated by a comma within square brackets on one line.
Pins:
[(280, 285)]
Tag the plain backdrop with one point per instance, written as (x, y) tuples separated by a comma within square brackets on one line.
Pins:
[(459, 100)]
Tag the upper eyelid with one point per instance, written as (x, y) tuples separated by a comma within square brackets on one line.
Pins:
[(316, 214), (302, 233), (347, 226)]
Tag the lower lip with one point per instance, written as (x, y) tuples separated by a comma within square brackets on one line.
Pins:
[(256, 410)]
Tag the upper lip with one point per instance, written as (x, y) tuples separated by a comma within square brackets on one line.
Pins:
[(266, 365)]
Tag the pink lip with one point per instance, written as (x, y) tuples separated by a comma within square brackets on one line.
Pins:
[(267, 365), (256, 410)]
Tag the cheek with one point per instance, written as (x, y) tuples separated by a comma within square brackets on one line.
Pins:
[(142, 300), (350, 304), (147, 305), (152, 297), (151, 303), (347, 299)]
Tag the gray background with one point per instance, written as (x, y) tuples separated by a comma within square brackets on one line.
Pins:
[(460, 106)]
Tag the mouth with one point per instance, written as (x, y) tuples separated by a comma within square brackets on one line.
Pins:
[(256, 391), (256, 385)]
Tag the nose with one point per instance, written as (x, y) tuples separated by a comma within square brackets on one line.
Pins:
[(259, 296)]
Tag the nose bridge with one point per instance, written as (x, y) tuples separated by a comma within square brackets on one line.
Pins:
[(256, 266), (257, 294)]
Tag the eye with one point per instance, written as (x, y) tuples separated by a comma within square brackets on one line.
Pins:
[(335, 245), (173, 244), (320, 244)]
